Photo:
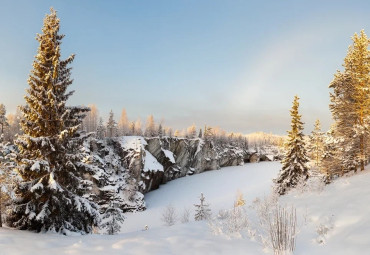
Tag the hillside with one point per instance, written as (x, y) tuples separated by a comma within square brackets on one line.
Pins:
[(340, 209)]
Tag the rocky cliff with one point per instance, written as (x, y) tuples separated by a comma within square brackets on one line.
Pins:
[(155, 161), (131, 165)]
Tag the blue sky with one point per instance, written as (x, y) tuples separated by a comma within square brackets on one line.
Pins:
[(233, 64)]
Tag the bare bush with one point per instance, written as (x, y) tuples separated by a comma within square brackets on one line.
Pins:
[(282, 230), (185, 217), (277, 225), (169, 216), (230, 222), (323, 229)]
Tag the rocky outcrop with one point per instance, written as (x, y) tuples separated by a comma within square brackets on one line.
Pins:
[(128, 166), (155, 161)]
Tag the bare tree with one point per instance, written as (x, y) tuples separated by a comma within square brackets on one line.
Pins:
[(169, 216), (185, 217)]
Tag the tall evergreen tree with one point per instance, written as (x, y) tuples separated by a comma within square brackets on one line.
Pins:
[(90, 122), (350, 104), (208, 133), (330, 161), (49, 195), (111, 126), (160, 130), (316, 144), (150, 129), (123, 124), (100, 130), (294, 167), (200, 135), (3, 120)]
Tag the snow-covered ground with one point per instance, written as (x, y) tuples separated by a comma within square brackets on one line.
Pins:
[(341, 211)]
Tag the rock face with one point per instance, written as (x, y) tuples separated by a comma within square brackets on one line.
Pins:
[(129, 166), (155, 161), (159, 160)]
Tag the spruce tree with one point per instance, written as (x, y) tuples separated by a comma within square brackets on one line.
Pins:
[(123, 124), (294, 167), (49, 194), (160, 130), (330, 161), (202, 212), (113, 217), (100, 130), (316, 144), (200, 135), (111, 126), (3, 120), (150, 130)]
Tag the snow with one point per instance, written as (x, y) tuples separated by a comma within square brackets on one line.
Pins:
[(151, 163), (341, 209), (169, 155), (132, 142)]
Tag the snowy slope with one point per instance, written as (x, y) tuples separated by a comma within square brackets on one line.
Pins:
[(342, 208)]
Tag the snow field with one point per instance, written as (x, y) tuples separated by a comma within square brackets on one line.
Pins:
[(332, 220)]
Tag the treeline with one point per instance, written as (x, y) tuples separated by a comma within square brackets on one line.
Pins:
[(93, 122), (345, 146)]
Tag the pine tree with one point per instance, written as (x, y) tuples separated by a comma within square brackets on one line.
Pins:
[(90, 122), (132, 128), (138, 130), (13, 128), (111, 126), (113, 217), (6, 177), (160, 130), (3, 120), (192, 131), (294, 162), (177, 133), (150, 129), (330, 161), (350, 104), (49, 194), (316, 144), (100, 130), (169, 132), (202, 212), (208, 133), (123, 124), (200, 135)]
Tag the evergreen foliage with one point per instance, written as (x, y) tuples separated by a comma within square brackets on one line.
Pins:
[(3, 120), (111, 126), (294, 167), (316, 144), (100, 130), (202, 212), (150, 130), (350, 105), (49, 194), (113, 217)]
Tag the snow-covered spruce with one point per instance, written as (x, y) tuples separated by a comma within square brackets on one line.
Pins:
[(294, 167), (113, 218), (202, 212), (49, 195), (109, 173)]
